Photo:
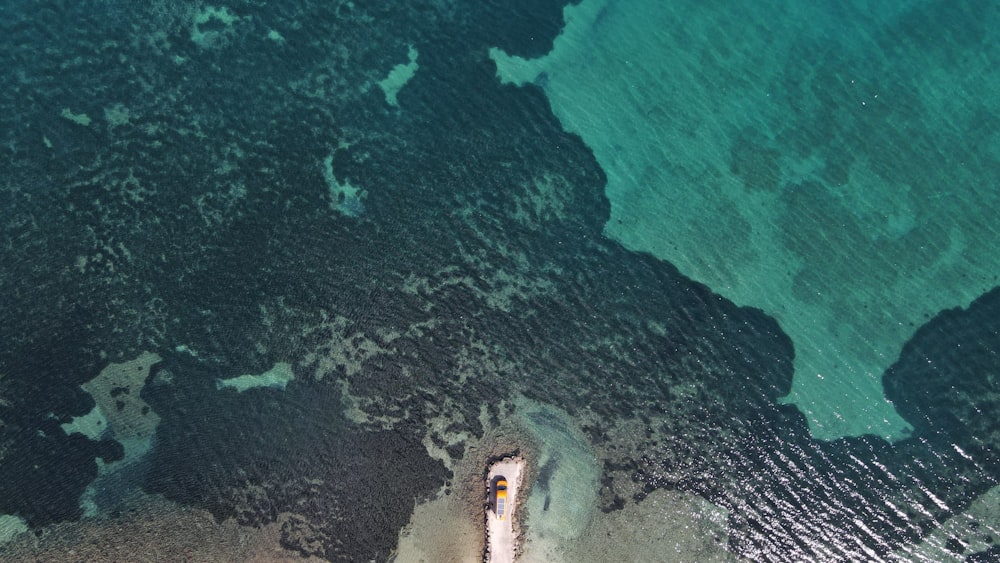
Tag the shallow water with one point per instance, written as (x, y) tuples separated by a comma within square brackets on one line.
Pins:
[(815, 161), (285, 274)]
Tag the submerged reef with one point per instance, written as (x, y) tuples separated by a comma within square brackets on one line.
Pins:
[(199, 225)]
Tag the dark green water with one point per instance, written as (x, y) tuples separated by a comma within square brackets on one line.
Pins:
[(683, 222)]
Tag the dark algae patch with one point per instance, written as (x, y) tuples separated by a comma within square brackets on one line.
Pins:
[(169, 183)]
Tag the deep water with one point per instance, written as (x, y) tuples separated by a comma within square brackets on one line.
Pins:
[(228, 188)]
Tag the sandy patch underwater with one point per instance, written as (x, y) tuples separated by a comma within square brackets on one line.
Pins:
[(815, 163)]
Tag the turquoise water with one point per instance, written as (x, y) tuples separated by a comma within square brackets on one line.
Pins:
[(278, 281), (832, 164)]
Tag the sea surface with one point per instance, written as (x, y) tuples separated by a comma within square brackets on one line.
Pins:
[(279, 279)]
